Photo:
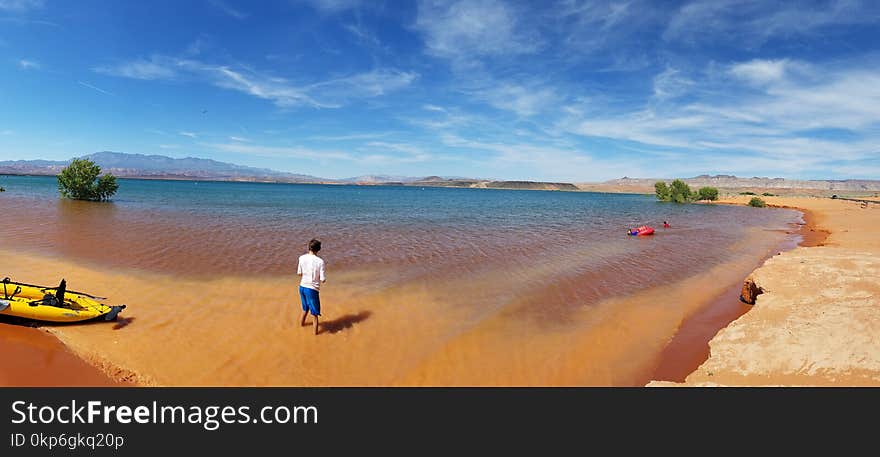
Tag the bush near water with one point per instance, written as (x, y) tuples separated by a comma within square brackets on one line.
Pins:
[(757, 202), (82, 180), (680, 192)]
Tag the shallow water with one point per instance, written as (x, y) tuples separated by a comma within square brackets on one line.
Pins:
[(426, 286)]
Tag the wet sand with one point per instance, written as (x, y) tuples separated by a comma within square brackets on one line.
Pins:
[(370, 338), (818, 320), (32, 357)]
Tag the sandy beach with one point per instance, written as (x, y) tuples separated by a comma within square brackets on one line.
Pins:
[(818, 319)]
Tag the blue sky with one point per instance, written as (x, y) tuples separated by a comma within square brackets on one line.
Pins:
[(566, 90)]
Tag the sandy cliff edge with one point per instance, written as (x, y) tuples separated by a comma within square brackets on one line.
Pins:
[(818, 321)]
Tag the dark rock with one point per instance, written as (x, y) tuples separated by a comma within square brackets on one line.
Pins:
[(750, 291)]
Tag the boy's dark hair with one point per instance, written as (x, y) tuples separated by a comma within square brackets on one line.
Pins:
[(314, 245)]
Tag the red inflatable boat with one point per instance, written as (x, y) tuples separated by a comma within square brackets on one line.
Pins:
[(641, 231)]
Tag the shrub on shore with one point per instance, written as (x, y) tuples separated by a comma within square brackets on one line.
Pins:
[(768, 194), (708, 193), (747, 193), (757, 202), (82, 180)]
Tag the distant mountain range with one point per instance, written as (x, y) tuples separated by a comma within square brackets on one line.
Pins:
[(155, 166), (126, 165)]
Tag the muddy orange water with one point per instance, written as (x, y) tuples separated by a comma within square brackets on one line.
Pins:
[(425, 287)]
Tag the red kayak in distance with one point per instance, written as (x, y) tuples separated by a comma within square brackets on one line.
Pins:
[(641, 231)]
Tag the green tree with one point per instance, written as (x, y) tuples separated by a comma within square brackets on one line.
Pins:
[(680, 192), (757, 202), (662, 191), (82, 180), (708, 193)]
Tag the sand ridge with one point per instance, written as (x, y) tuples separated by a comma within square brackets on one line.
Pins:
[(818, 321)]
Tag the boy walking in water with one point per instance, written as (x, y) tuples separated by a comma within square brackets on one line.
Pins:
[(311, 268)]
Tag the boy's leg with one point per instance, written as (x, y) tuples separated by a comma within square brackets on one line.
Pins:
[(305, 307), (316, 308)]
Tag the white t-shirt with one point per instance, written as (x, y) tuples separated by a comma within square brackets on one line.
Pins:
[(311, 267)]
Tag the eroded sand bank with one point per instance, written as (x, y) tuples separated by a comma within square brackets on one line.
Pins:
[(818, 321)]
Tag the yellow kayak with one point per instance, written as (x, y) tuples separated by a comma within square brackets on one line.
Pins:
[(52, 304)]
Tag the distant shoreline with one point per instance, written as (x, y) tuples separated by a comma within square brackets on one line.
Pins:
[(458, 184)]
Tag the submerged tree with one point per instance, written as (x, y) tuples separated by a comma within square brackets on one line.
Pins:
[(680, 192), (662, 191), (82, 180)]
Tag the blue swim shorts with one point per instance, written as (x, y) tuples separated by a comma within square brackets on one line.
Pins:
[(310, 300)]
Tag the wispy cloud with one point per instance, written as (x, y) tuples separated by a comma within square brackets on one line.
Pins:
[(762, 71), (240, 139), (7, 132), (753, 22), (26, 64), (332, 6), (156, 67), (188, 134), (228, 10), (331, 93), (791, 122), (19, 6), (350, 137), (520, 99), (169, 146), (97, 89), (670, 83), (467, 30)]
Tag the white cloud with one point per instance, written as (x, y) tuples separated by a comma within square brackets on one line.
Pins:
[(25, 64), (332, 6), (785, 119), (751, 23), (284, 93), (169, 146), (227, 9), (20, 5), (670, 84), (350, 137), (370, 84), (240, 139), (760, 71), (155, 68), (188, 134), (522, 100), (466, 30)]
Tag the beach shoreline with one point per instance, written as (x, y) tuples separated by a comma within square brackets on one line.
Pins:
[(689, 347), (815, 320)]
